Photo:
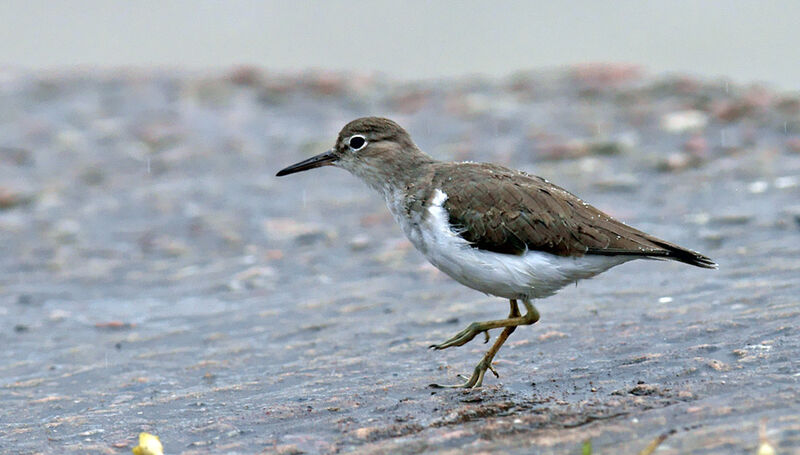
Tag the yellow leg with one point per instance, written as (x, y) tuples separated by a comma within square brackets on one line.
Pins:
[(509, 325), (465, 336)]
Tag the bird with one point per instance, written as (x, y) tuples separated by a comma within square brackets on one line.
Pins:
[(500, 231)]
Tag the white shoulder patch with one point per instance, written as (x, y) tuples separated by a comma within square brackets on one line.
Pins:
[(534, 274), (439, 197)]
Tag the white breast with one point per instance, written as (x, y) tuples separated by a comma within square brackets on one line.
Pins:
[(534, 274)]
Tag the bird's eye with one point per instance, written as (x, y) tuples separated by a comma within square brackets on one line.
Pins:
[(357, 142)]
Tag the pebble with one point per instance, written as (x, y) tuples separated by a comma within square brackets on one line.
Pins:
[(288, 228), (359, 242), (714, 239), (699, 218), (678, 161), (783, 183), (66, 230), (624, 183), (311, 238), (11, 197), (732, 219), (793, 144), (758, 187), (253, 278), (577, 148), (683, 121), (697, 145), (16, 155)]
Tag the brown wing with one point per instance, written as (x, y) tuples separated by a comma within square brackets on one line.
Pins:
[(505, 211)]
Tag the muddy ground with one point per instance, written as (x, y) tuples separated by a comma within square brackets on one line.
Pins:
[(155, 275)]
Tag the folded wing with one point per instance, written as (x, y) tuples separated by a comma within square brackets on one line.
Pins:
[(510, 212)]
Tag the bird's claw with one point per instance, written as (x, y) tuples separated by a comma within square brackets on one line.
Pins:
[(463, 337), (474, 381)]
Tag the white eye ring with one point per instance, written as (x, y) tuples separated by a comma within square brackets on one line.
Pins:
[(357, 137)]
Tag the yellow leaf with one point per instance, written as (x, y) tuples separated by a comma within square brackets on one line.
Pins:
[(149, 444), (765, 449)]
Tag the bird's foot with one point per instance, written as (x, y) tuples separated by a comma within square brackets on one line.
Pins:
[(463, 337), (474, 381)]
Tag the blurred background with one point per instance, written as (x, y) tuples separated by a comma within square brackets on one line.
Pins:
[(744, 40), (156, 276)]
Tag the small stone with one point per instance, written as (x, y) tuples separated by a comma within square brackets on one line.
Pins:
[(288, 449), (359, 242), (699, 218), (58, 315), (792, 212), (246, 75), (622, 183), (10, 198), (552, 149), (114, 325), (714, 239), (731, 111), (758, 187), (66, 230), (552, 335), (793, 144), (643, 389), (732, 219), (678, 161), (786, 182), (253, 278), (697, 145), (169, 246), (365, 432), (604, 148), (326, 83), (682, 121), (601, 76), (93, 176), (788, 104), (287, 228), (16, 155), (714, 364), (409, 100), (311, 238)]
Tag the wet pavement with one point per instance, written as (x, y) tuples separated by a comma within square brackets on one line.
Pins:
[(155, 275)]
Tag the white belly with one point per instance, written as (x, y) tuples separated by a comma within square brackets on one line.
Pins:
[(534, 274)]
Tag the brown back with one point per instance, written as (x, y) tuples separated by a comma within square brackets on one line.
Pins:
[(507, 211)]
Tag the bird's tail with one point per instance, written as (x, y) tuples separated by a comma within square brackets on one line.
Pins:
[(664, 250)]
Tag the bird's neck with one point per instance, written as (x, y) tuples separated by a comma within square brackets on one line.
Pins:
[(392, 177)]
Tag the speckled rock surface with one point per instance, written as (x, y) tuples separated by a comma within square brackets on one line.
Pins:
[(155, 275)]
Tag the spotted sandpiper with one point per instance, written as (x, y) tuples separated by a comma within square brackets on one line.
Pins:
[(499, 231)]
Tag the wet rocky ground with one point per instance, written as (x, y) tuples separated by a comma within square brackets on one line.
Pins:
[(155, 275)]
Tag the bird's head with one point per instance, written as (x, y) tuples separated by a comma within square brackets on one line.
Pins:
[(372, 148)]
